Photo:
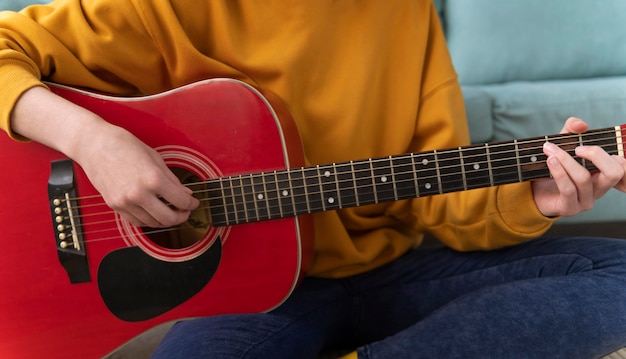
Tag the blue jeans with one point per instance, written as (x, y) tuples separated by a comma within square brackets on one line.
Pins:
[(548, 298)]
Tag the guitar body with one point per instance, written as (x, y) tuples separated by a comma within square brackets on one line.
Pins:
[(127, 283), (78, 281)]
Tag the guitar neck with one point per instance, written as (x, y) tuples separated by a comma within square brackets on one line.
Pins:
[(295, 191)]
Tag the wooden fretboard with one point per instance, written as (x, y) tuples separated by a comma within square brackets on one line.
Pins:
[(290, 192)]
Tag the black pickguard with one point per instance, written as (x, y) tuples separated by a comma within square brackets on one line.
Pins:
[(137, 287)]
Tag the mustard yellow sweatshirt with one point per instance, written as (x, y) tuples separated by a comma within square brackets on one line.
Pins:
[(362, 78)]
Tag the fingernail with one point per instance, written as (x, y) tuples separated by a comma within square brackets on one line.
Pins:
[(549, 148)]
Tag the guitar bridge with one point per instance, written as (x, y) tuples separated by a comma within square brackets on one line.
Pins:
[(66, 222)]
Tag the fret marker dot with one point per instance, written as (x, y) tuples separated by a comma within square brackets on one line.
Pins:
[(383, 179), (327, 174), (428, 186), (476, 166), (533, 159), (260, 196), (424, 162), (331, 200), (285, 193)]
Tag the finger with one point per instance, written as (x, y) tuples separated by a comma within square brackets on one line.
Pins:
[(568, 196), (573, 181), (162, 214), (147, 209), (621, 185), (154, 214), (574, 125), (138, 217), (173, 192), (179, 196), (610, 172)]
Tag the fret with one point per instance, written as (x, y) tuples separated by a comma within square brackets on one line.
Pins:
[(313, 190), (607, 139), (463, 175), (373, 180), (346, 184), (518, 162), (404, 174), (286, 197), (583, 161), (449, 168), (217, 202), (619, 141), (476, 166), (503, 159), (234, 188), (329, 187), (382, 179), (260, 197), (415, 171), (567, 143), (393, 178), (272, 195), (229, 200), (299, 191), (489, 166), (362, 172), (249, 200), (438, 170), (426, 173), (532, 159)]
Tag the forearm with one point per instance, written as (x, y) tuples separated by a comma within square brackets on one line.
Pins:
[(44, 117), (131, 176)]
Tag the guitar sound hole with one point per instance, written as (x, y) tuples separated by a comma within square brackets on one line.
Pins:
[(193, 230)]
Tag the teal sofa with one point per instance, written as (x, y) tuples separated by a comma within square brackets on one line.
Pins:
[(16, 5), (525, 66)]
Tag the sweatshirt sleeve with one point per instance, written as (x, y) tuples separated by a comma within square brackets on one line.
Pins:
[(479, 219), (75, 43)]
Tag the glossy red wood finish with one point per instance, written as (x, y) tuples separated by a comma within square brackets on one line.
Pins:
[(42, 315)]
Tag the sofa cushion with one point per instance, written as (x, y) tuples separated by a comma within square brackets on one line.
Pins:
[(526, 109), (494, 41), (478, 106)]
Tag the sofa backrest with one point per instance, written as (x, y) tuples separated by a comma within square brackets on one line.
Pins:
[(16, 5), (496, 41)]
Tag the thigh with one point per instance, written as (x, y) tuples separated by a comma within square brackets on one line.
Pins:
[(409, 290), (310, 320), (507, 303)]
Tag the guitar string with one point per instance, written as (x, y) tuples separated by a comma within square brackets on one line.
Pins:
[(439, 161), (240, 204), (368, 170), (439, 152), (469, 161), (368, 177), (466, 158)]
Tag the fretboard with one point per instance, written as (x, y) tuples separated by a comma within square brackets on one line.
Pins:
[(295, 191)]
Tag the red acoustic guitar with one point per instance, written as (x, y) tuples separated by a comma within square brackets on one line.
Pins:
[(78, 281)]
